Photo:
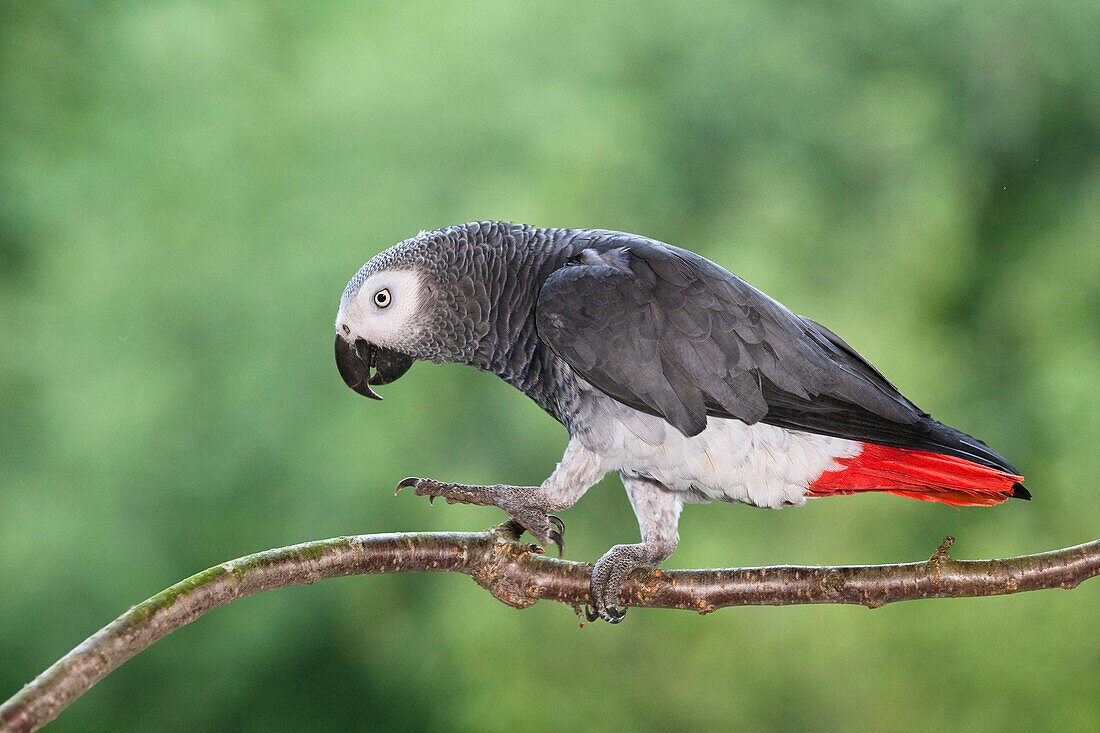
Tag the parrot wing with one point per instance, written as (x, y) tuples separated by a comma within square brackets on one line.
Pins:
[(672, 334)]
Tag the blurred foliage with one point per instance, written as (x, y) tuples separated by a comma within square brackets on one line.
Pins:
[(185, 188)]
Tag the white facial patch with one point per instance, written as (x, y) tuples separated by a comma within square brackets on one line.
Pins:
[(385, 311)]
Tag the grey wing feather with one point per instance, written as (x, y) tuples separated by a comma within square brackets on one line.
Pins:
[(670, 333)]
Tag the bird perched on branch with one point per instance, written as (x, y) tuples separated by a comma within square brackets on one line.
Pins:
[(690, 383)]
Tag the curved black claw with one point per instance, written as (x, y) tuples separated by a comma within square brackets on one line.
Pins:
[(416, 483), (611, 615), (406, 483), (557, 534)]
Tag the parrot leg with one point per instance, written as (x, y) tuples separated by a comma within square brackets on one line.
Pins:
[(658, 512), (531, 506), (528, 505)]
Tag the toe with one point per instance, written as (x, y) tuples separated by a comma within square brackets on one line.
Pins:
[(607, 581), (546, 528), (607, 600), (555, 536)]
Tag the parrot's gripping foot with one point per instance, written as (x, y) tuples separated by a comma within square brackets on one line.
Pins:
[(610, 572), (524, 504)]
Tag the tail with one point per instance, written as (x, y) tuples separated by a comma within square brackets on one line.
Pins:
[(921, 475)]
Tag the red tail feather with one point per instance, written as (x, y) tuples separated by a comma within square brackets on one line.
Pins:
[(917, 474)]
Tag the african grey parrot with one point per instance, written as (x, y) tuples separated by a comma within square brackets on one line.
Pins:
[(687, 381)]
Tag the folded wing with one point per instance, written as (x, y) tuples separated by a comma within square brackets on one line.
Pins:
[(670, 333)]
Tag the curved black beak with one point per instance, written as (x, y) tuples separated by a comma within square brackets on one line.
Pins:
[(355, 362)]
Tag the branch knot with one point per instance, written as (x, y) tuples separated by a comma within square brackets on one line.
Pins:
[(504, 570)]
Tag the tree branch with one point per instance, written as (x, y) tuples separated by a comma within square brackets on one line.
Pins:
[(519, 575)]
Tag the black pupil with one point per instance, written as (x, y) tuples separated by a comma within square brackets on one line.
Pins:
[(381, 297)]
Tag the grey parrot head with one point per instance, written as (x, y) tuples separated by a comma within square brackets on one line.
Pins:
[(423, 299)]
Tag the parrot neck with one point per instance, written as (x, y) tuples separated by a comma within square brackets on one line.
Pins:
[(520, 259)]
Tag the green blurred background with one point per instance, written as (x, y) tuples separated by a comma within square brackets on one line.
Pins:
[(185, 188)]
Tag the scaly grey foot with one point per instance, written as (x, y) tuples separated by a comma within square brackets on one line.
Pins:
[(610, 572), (521, 502)]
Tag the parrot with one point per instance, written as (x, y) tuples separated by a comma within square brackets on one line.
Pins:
[(664, 367)]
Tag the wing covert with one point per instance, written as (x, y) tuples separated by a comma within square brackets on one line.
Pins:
[(670, 333)]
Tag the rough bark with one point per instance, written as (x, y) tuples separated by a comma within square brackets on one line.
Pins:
[(519, 575)]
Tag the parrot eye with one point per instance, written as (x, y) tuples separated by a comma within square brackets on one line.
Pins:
[(382, 298)]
